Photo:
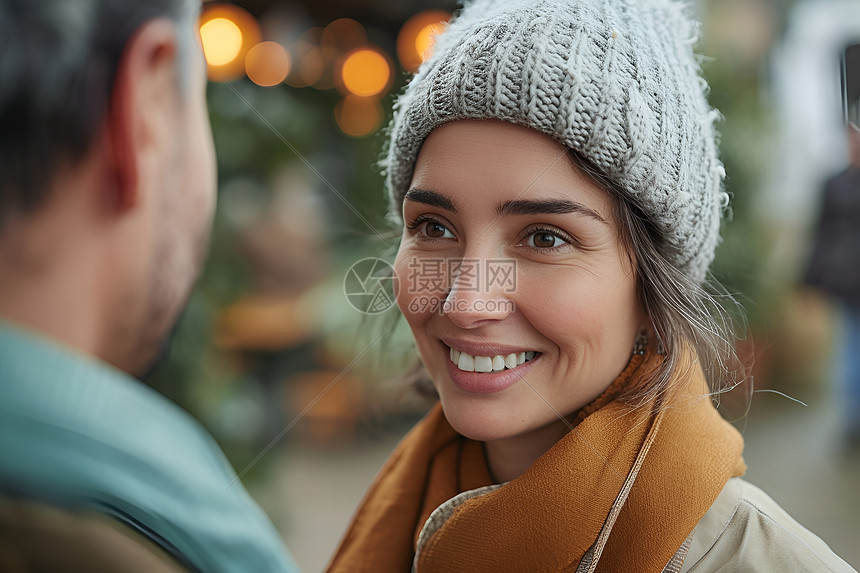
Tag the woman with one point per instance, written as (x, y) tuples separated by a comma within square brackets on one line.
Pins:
[(555, 167)]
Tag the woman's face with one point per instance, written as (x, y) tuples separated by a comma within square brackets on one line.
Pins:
[(510, 253)]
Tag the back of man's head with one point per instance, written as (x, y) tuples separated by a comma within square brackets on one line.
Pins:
[(58, 61), (106, 170)]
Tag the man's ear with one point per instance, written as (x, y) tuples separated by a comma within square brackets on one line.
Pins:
[(141, 111), (854, 143)]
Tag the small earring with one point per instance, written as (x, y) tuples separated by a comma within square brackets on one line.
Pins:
[(641, 343)]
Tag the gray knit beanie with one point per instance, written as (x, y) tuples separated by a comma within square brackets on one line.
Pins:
[(614, 80)]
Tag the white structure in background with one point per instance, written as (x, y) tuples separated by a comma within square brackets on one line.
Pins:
[(807, 92)]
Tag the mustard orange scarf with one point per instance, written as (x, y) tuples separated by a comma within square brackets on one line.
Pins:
[(574, 504)]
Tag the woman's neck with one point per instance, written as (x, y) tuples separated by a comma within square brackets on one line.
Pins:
[(510, 457)]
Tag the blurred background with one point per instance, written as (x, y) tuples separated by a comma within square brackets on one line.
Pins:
[(299, 383)]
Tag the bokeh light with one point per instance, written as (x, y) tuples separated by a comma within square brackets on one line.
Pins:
[(426, 38), (416, 37), (341, 37), (267, 64), (227, 32), (222, 41), (366, 72), (358, 116), (310, 67)]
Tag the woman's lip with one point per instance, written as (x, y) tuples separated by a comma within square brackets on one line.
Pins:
[(486, 382), (484, 348)]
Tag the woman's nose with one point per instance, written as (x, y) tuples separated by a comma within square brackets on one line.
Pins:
[(481, 290)]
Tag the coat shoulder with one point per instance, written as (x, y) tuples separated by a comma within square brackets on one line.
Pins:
[(746, 530), (35, 536)]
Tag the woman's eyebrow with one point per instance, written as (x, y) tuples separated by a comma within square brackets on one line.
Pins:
[(431, 198), (546, 207)]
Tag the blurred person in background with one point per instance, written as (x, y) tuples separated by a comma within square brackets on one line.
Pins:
[(555, 168), (834, 268), (107, 192)]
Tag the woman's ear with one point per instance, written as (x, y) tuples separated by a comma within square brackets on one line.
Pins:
[(141, 112)]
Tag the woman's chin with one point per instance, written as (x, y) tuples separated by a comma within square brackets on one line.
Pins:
[(481, 434), (485, 424)]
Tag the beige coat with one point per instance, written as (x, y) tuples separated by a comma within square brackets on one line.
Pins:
[(745, 530)]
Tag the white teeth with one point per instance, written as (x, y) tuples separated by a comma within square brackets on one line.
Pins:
[(483, 364), (466, 362), (498, 363)]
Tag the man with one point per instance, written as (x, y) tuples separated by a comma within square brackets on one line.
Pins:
[(107, 190), (834, 268)]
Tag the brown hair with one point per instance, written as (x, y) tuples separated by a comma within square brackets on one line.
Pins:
[(683, 313)]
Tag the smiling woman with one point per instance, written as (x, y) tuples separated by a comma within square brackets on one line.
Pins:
[(555, 168), (488, 190)]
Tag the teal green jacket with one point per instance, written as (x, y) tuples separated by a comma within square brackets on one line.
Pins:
[(79, 434)]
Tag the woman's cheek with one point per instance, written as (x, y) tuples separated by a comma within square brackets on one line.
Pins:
[(421, 285), (548, 295)]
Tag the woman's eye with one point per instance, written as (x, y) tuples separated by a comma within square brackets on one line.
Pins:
[(436, 230), (544, 240), (428, 228)]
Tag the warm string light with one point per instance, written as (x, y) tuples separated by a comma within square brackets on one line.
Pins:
[(358, 116), (338, 55), (267, 64), (342, 36), (309, 64), (416, 37), (227, 33), (365, 72), (222, 41)]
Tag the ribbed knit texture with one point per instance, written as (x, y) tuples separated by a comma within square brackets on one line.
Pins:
[(614, 80)]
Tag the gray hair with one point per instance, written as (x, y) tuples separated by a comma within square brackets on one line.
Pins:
[(58, 62)]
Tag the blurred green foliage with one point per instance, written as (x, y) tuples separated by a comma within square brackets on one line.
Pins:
[(258, 131)]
